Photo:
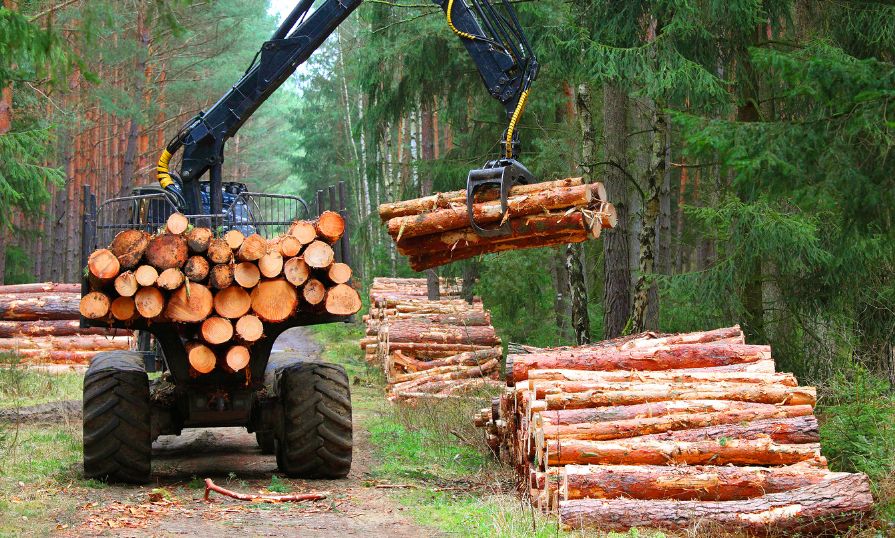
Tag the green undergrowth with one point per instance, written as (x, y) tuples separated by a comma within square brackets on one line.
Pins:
[(20, 387)]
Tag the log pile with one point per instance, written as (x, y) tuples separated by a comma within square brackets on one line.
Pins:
[(435, 230), (40, 324), (430, 349), (667, 431), (220, 291)]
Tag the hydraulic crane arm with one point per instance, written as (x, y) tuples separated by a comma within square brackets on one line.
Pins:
[(491, 34)]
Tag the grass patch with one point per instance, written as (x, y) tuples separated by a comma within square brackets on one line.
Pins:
[(21, 387)]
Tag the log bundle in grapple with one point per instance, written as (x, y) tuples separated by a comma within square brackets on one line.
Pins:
[(668, 431), (435, 230), (39, 323), (221, 291), (430, 349)]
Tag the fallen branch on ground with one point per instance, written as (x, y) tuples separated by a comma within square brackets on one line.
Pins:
[(211, 486)]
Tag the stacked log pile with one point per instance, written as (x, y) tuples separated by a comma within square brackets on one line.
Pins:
[(435, 230), (666, 431), (221, 291), (40, 324), (430, 349)]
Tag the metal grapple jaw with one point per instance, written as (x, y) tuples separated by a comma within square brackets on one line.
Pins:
[(501, 174)]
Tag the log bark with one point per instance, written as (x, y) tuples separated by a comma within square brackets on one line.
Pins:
[(342, 300), (126, 284), (410, 331), (41, 287), (416, 206), (469, 358), (46, 356), (826, 505), (216, 330), (296, 271), (146, 275), (249, 328), (246, 274), (219, 251), (123, 308), (252, 248), (318, 255), (426, 349), (10, 329), (201, 357), (94, 305), (170, 279), (189, 307), (662, 358), (313, 292), (274, 300), (691, 375), (339, 273), (128, 246), (196, 268), (475, 318), (177, 224), (220, 276), (232, 302), (234, 239), (304, 231), (198, 239), (444, 257), (543, 387), (237, 358), (55, 343), (103, 265), (330, 226), (149, 302), (166, 251), (271, 264)]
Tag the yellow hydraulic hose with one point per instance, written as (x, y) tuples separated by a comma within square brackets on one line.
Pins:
[(520, 107), (163, 173)]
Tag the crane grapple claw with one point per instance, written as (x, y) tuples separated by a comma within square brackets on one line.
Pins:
[(501, 174)]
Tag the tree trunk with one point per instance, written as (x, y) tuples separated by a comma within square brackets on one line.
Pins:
[(578, 293), (561, 304)]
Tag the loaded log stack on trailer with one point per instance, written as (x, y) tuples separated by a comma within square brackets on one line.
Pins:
[(430, 349), (39, 323), (667, 431), (435, 230)]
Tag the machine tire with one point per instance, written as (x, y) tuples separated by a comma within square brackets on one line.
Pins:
[(314, 440), (267, 441), (117, 436)]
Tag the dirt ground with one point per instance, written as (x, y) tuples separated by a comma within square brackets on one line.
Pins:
[(173, 505)]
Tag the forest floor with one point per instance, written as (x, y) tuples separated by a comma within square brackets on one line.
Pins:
[(409, 477)]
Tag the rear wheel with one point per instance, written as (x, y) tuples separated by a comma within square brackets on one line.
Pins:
[(117, 437), (314, 440)]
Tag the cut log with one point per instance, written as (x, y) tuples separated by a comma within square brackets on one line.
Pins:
[(95, 305), (443, 200), (196, 268), (198, 239), (77, 343), (146, 275), (128, 246), (693, 375), (217, 330), (246, 274), (103, 265), (318, 255), (238, 357), (189, 304), (253, 247), (809, 509), (44, 356), (220, 276), (166, 251), (465, 319), (149, 302), (232, 302), (410, 331), (330, 226), (457, 216), (201, 357), (543, 387), (177, 224), (271, 264), (339, 273), (635, 393), (342, 300), (41, 287), (663, 358), (249, 328), (296, 271), (170, 279), (219, 251), (234, 239), (313, 292), (274, 300), (699, 482), (126, 284), (469, 358), (123, 308), (446, 256), (425, 349), (9, 329), (304, 231), (289, 246)]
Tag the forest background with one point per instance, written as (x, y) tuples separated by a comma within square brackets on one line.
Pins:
[(748, 145)]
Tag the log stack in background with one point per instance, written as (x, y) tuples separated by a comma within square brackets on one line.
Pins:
[(221, 291), (435, 230), (666, 431), (40, 324), (430, 349)]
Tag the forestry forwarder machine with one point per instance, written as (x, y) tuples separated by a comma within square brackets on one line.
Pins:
[(298, 409)]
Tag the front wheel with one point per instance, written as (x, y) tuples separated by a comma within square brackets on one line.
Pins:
[(314, 440)]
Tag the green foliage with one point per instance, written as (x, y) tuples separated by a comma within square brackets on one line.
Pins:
[(277, 485), (29, 52), (18, 266), (24, 176)]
